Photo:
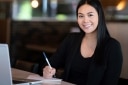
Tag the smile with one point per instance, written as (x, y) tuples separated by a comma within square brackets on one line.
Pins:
[(87, 25)]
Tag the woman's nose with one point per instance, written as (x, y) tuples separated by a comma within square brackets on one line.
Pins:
[(86, 19)]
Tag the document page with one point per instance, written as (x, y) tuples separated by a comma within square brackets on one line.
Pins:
[(44, 80), (24, 81)]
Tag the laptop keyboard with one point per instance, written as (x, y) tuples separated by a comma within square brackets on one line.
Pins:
[(18, 81)]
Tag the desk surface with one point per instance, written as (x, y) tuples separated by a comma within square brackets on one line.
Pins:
[(16, 73)]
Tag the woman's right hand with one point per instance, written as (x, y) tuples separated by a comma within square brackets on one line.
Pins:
[(48, 72)]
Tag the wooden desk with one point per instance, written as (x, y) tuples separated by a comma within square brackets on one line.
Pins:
[(16, 73)]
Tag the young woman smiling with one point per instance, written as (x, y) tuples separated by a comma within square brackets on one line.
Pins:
[(92, 56)]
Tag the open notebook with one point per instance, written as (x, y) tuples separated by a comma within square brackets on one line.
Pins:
[(44, 80)]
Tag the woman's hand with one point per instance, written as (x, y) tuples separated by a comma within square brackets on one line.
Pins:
[(48, 72)]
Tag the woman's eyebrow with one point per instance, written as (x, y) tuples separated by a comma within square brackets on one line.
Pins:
[(80, 13), (90, 12), (87, 13)]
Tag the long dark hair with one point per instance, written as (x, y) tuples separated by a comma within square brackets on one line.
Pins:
[(102, 32)]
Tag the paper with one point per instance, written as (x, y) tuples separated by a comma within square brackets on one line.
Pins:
[(22, 84), (24, 81), (44, 80)]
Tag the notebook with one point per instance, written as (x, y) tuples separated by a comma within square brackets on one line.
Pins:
[(5, 69), (44, 80)]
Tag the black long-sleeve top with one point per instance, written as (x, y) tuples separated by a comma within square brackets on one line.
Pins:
[(106, 73)]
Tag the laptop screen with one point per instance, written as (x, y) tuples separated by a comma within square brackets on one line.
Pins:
[(5, 67)]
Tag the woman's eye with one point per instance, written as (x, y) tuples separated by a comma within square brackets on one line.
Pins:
[(90, 15)]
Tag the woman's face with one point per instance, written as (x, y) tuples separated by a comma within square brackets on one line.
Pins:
[(87, 18)]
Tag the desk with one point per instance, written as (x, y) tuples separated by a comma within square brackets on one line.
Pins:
[(16, 73)]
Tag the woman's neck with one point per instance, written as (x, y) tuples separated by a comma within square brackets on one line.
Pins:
[(88, 46), (91, 38)]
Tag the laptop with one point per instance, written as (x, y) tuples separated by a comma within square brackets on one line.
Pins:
[(5, 69)]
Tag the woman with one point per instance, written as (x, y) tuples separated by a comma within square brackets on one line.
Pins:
[(91, 57)]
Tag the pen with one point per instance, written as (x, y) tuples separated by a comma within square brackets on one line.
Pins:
[(47, 60)]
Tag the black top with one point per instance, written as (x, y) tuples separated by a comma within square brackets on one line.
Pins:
[(79, 75), (106, 73)]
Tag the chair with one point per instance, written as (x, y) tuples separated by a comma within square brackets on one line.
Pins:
[(27, 66)]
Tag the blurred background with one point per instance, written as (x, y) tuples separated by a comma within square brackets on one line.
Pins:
[(33, 26)]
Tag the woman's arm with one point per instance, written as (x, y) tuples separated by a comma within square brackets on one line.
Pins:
[(114, 63)]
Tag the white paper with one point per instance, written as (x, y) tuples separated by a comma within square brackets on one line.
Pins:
[(44, 80)]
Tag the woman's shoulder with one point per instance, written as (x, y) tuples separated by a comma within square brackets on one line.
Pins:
[(72, 38), (112, 42), (114, 50)]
